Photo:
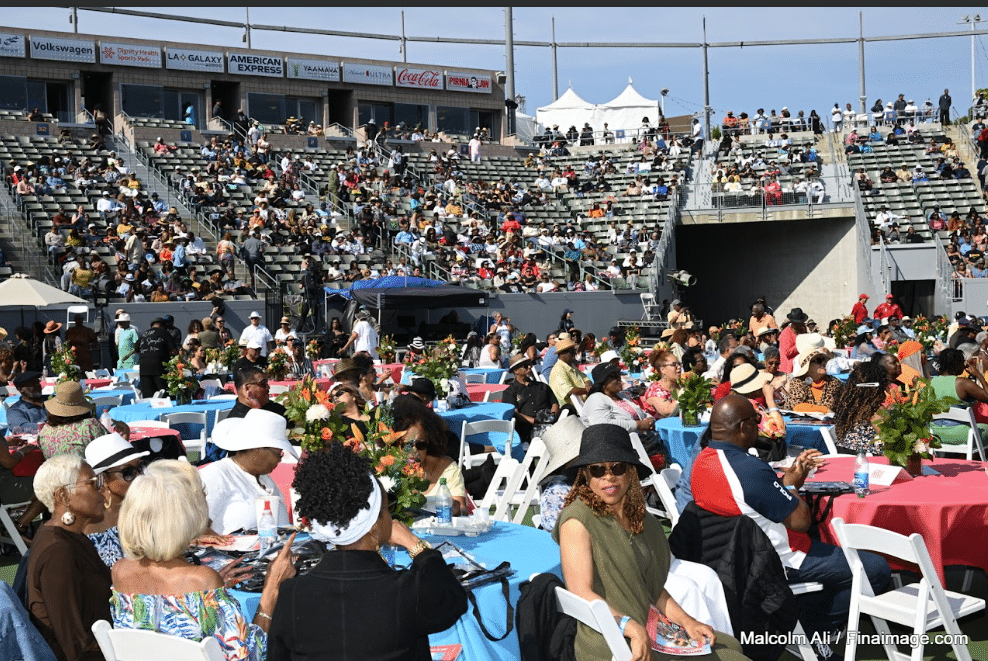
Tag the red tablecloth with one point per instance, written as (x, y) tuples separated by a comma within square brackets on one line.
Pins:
[(323, 383), (477, 391), (949, 510), (283, 474), (138, 433)]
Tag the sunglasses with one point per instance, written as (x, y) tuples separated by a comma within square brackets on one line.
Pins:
[(616, 469), (128, 474), (421, 445)]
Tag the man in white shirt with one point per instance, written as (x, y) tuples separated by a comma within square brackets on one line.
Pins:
[(363, 338), (258, 332), (107, 206)]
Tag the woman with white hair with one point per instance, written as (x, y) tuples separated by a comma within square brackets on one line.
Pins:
[(156, 589), (68, 586)]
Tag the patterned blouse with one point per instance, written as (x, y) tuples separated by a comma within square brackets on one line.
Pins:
[(71, 438), (655, 389), (553, 501), (861, 435), (193, 616), (799, 392), (108, 546)]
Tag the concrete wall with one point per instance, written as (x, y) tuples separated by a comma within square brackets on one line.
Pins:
[(909, 262), (811, 264)]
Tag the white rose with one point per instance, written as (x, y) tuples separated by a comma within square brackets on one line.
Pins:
[(387, 482), (316, 412), (921, 447), (444, 383), (187, 373)]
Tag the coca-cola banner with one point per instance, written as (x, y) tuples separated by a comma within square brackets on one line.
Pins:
[(468, 82), (367, 74), (314, 69), (419, 78)]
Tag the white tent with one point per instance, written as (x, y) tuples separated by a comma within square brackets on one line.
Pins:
[(526, 127), (19, 290), (568, 110), (625, 112)]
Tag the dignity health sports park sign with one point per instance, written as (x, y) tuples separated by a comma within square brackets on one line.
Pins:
[(419, 78)]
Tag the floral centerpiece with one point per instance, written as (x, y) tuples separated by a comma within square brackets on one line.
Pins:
[(221, 360), (386, 349), (928, 331), (314, 422), (182, 385), (439, 365), (632, 354), (601, 347), (63, 363), (277, 364), (313, 350), (694, 394), (844, 332), (904, 427)]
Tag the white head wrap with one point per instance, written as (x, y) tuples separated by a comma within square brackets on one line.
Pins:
[(359, 525)]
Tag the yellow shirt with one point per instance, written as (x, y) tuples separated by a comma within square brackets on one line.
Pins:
[(564, 378)]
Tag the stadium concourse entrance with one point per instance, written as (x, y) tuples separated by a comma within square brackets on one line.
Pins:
[(228, 94), (97, 92)]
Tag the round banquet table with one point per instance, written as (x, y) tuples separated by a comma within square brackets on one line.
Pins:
[(529, 551), (949, 510), (144, 411), (680, 440), (489, 411), (478, 391)]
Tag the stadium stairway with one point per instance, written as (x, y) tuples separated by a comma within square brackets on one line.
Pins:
[(21, 250)]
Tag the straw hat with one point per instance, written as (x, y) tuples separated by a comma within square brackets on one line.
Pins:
[(52, 327), (564, 345), (345, 365), (3, 333), (562, 442), (69, 400), (808, 345), (745, 379), (257, 429), (519, 360)]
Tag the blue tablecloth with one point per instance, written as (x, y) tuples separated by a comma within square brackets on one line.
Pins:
[(484, 411), (144, 411), (128, 398), (679, 440), (529, 551), (493, 374)]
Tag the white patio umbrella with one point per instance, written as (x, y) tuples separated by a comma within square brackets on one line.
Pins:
[(21, 291)]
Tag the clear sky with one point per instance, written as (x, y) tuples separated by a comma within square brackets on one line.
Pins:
[(741, 79)]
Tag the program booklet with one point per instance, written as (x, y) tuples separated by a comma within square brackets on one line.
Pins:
[(670, 638)]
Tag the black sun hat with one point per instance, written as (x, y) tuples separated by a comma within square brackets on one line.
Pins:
[(607, 443)]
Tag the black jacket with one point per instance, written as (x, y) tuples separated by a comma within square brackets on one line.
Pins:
[(758, 597), (353, 606), (544, 634)]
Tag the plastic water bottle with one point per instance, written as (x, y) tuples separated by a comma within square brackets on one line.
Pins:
[(444, 504), (267, 530), (861, 470)]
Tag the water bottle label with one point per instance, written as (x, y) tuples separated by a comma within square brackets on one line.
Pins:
[(861, 481), (444, 514)]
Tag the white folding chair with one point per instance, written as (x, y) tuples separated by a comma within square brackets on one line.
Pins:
[(8, 532), (148, 423), (196, 445), (660, 483), (205, 383), (143, 645), (965, 416), (278, 390), (103, 373), (595, 614), (91, 374), (828, 439), (803, 650), (502, 489), (474, 378), (493, 396), (506, 427), (106, 403), (538, 456), (222, 414), (922, 606), (577, 404)]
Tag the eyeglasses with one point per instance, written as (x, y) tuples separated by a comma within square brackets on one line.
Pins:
[(670, 365), (260, 384), (96, 481), (617, 469), (128, 474)]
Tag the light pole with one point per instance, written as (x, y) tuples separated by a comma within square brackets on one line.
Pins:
[(973, 20)]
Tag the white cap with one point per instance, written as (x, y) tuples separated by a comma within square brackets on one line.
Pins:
[(255, 315), (253, 344)]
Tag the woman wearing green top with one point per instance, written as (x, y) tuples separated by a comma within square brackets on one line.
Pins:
[(950, 383), (612, 549)]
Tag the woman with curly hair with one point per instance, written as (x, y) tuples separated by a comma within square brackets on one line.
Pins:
[(856, 409), (352, 605), (659, 400), (612, 549)]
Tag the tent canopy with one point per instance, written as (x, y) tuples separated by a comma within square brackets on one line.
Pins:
[(21, 291), (568, 110), (624, 112)]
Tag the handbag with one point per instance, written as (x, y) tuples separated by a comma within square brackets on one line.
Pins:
[(474, 575), (28, 465)]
